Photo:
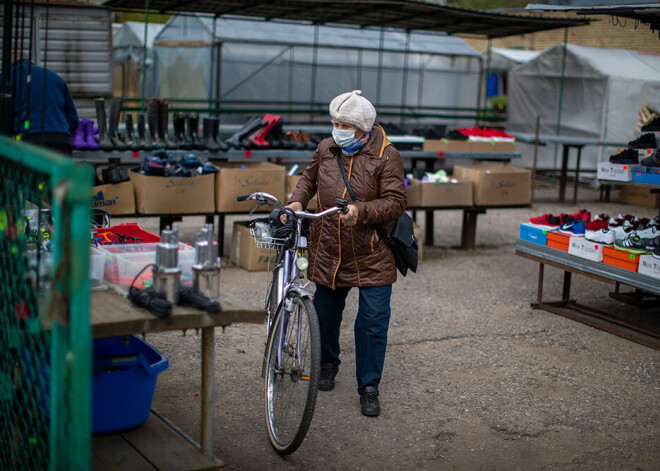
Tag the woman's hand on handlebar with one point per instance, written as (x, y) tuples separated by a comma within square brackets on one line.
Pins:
[(295, 206), (350, 217)]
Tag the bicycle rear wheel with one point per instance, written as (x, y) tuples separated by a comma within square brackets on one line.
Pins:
[(293, 361)]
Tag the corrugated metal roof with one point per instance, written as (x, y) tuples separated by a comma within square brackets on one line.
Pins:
[(401, 14)]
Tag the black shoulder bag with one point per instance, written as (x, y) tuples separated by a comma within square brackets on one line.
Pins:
[(401, 240)]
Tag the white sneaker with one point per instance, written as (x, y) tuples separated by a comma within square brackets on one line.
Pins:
[(649, 233), (621, 232), (603, 236)]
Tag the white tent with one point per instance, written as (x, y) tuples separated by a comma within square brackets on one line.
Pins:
[(504, 59), (603, 91), (128, 43)]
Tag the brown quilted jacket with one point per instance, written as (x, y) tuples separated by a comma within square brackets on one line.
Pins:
[(341, 256)]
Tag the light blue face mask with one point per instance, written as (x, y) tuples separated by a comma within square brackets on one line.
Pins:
[(345, 137)]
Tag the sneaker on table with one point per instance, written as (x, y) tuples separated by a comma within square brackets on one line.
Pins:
[(621, 232), (626, 156), (652, 244), (547, 220), (651, 232), (652, 161), (596, 225), (602, 236), (633, 244), (656, 253), (582, 215), (573, 228), (645, 141)]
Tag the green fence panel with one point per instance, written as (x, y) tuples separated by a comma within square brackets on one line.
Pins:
[(45, 334)]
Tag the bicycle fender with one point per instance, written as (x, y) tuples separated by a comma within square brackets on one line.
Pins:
[(302, 292)]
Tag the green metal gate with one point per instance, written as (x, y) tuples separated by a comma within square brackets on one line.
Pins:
[(45, 335)]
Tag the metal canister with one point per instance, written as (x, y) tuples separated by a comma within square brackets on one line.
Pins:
[(167, 274), (206, 269)]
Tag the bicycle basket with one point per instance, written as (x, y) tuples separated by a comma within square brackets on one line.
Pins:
[(262, 234)]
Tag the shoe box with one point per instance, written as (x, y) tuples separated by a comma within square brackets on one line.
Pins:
[(446, 145), (237, 178), (621, 259), (496, 185), (117, 199), (168, 195), (639, 196), (649, 265), (291, 183), (245, 254), (533, 233), (428, 194), (558, 241), (642, 174), (583, 248), (614, 172)]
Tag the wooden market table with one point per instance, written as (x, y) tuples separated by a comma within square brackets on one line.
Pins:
[(600, 271), (158, 444)]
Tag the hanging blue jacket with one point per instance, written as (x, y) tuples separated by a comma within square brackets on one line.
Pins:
[(60, 118)]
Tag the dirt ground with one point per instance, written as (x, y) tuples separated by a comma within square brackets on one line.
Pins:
[(474, 378)]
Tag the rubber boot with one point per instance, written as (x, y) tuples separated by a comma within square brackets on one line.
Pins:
[(179, 123), (113, 124), (163, 123), (193, 124), (152, 119), (208, 141), (131, 143), (249, 127), (143, 141), (187, 132), (222, 145), (77, 138), (88, 133), (104, 140)]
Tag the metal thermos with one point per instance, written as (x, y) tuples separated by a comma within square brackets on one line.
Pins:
[(167, 274), (206, 269)]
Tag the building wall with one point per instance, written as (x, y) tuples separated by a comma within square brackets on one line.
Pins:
[(600, 33)]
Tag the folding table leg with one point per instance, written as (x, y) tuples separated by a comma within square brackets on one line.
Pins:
[(566, 291), (429, 224), (208, 362), (539, 291)]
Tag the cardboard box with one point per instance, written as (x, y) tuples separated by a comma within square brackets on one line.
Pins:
[(237, 178), (642, 174), (620, 258), (445, 145), (446, 194), (583, 248), (118, 198), (532, 233), (414, 193), (639, 196), (417, 230), (649, 265), (492, 146), (558, 241), (165, 195), (614, 172), (291, 183), (244, 252), (496, 185)]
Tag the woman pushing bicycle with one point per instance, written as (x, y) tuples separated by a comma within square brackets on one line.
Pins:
[(345, 250)]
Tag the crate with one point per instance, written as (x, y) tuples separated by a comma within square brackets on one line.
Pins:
[(124, 379), (129, 265)]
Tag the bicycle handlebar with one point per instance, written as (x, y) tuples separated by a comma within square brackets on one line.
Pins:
[(265, 198)]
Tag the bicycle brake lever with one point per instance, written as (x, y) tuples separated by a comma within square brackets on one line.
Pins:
[(256, 207)]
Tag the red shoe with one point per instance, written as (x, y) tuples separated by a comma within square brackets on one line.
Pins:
[(546, 220), (597, 225), (564, 218), (582, 215)]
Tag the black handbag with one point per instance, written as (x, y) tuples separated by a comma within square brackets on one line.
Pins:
[(401, 240)]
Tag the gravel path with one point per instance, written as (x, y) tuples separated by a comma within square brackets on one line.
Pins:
[(474, 378)]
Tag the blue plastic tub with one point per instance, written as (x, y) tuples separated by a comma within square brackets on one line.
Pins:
[(125, 373)]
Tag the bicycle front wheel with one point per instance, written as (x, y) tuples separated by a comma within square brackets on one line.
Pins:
[(293, 360)]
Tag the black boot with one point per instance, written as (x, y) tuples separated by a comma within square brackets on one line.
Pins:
[(152, 116), (130, 134), (104, 140), (193, 124), (113, 124), (187, 134), (163, 123), (143, 141), (208, 142), (249, 127), (179, 122), (222, 145)]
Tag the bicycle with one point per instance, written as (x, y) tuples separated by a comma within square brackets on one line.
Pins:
[(292, 359)]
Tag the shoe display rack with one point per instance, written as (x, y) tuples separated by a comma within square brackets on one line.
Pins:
[(607, 273)]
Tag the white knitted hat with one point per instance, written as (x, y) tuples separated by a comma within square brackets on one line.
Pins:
[(353, 108)]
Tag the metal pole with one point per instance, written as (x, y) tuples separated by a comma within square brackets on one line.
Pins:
[(218, 82), (404, 86), (490, 43), (420, 86), (144, 55), (359, 70), (208, 363), (312, 94), (5, 88), (536, 153), (291, 54), (380, 65), (561, 90), (479, 82), (212, 67)]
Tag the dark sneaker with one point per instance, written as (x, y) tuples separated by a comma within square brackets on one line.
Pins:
[(653, 161), (633, 244), (656, 253), (654, 125), (645, 141), (328, 373), (626, 156), (369, 401)]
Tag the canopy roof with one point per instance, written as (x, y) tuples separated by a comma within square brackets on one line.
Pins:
[(131, 33), (181, 29), (401, 14)]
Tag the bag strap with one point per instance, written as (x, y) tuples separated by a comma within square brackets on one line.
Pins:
[(378, 229)]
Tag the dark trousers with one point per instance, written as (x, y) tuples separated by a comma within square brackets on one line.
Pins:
[(370, 329)]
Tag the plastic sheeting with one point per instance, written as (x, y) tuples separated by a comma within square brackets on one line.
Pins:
[(274, 61), (128, 50), (604, 89)]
